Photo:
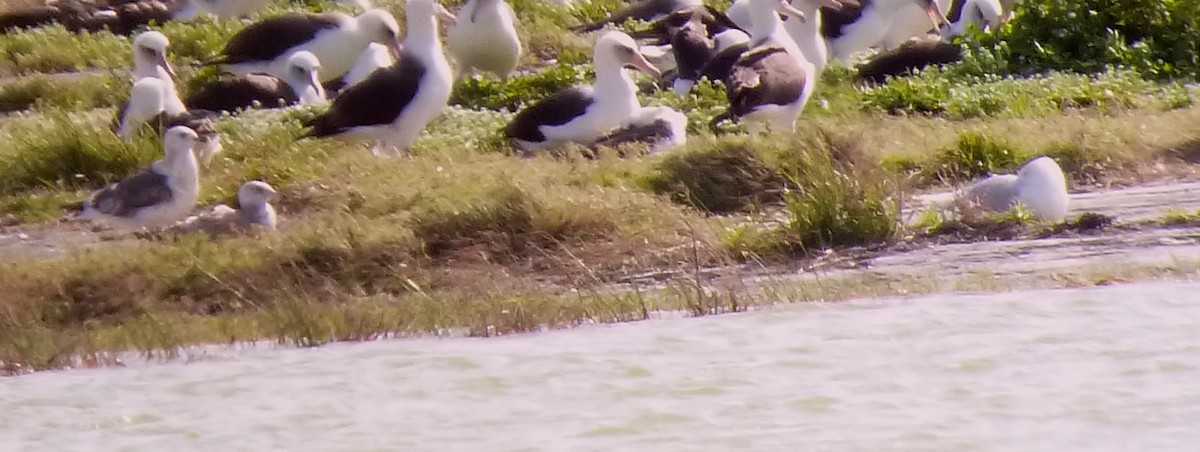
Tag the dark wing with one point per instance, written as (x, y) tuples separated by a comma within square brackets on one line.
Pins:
[(30, 17), (269, 38), (719, 65), (203, 122), (908, 57), (764, 76), (123, 199), (230, 94), (660, 30), (558, 109), (834, 20), (692, 50), (116, 124), (379, 99), (133, 15), (643, 10), (636, 133)]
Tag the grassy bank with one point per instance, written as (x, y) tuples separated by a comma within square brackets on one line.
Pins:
[(466, 237)]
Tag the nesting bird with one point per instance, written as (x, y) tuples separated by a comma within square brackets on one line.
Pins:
[(156, 197), (254, 212), (1039, 186), (658, 127), (856, 28), (484, 38), (335, 38), (581, 114), (147, 104), (966, 13), (395, 103), (771, 82), (300, 85), (692, 50)]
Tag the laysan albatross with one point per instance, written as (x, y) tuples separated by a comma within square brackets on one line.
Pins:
[(231, 94), (150, 60), (581, 114), (146, 104), (770, 83), (395, 103), (856, 28), (158, 196), (484, 38), (335, 38)]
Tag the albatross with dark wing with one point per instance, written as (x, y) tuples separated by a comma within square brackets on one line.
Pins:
[(771, 82), (581, 114), (335, 38), (852, 29), (146, 104), (159, 196), (657, 127), (692, 50), (395, 103), (484, 38), (230, 94)]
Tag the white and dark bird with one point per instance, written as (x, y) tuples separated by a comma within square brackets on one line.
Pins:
[(300, 86), (856, 28), (394, 104), (484, 38), (807, 32), (728, 46), (147, 105), (657, 127), (911, 56), (335, 38), (156, 197), (254, 213), (374, 57), (581, 114), (769, 85), (964, 14), (1039, 185)]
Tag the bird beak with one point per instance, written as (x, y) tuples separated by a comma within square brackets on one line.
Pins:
[(162, 61), (934, 11), (786, 8), (444, 13), (316, 84), (640, 62)]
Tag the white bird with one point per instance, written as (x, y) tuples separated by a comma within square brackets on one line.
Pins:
[(393, 105), (581, 114), (484, 38), (807, 32), (1039, 185), (254, 212), (335, 38), (300, 85), (881, 22), (374, 57), (147, 104), (156, 197), (150, 60)]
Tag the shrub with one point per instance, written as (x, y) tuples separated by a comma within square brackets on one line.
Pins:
[(974, 155), (722, 176), (1154, 37)]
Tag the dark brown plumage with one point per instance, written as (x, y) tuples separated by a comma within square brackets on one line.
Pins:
[(231, 94), (660, 30), (378, 100), (34, 16), (557, 109), (719, 66), (903, 60), (271, 37), (644, 10), (647, 133), (833, 20), (692, 48), (77, 16), (126, 198), (766, 75)]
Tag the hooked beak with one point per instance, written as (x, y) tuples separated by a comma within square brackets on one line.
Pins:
[(162, 62), (936, 16), (640, 62), (316, 83), (396, 49), (786, 8), (442, 13)]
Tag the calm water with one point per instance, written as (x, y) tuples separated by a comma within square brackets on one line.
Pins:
[(1112, 368)]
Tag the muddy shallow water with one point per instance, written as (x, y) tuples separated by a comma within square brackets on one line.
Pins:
[(1110, 368)]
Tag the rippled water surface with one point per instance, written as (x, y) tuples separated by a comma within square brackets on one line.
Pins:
[(1111, 368)]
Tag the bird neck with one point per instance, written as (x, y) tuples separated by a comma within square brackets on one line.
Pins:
[(422, 36), (613, 81)]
